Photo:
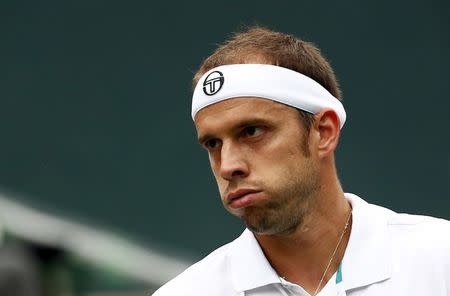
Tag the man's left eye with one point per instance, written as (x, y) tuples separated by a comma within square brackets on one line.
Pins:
[(252, 131)]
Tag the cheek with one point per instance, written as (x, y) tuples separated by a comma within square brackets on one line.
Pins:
[(222, 186), (280, 155), (282, 165), (213, 165), (215, 171)]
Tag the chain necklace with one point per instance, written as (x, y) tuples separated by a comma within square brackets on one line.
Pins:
[(334, 253)]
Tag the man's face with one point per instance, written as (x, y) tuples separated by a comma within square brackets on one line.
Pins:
[(256, 148)]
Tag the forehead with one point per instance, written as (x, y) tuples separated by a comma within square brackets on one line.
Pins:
[(236, 111)]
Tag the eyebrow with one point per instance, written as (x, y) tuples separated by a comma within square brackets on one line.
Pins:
[(236, 126)]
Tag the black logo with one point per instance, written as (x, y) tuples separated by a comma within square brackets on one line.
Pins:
[(213, 83)]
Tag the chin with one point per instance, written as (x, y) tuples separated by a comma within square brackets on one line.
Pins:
[(270, 225), (261, 225)]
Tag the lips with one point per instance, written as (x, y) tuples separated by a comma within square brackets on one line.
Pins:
[(242, 197)]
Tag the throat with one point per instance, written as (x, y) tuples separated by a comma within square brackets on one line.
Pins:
[(308, 263)]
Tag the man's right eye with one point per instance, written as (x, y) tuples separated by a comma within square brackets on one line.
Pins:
[(212, 143)]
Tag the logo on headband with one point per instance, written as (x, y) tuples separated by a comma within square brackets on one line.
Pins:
[(213, 83)]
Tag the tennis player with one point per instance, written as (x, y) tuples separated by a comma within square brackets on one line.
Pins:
[(267, 109)]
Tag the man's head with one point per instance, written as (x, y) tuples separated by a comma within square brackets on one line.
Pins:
[(268, 164)]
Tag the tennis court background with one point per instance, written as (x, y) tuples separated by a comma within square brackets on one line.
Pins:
[(95, 101)]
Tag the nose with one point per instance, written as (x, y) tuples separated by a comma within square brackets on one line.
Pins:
[(233, 162)]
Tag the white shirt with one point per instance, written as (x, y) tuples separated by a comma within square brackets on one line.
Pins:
[(387, 254)]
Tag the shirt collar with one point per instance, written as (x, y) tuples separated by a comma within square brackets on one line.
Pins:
[(248, 265), (366, 259)]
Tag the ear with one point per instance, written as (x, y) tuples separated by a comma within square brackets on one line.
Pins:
[(328, 126)]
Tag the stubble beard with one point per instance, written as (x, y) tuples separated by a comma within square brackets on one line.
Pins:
[(287, 209)]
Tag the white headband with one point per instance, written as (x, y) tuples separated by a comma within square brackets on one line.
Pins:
[(264, 81)]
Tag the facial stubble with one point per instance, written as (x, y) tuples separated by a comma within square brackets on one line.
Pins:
[(287, 209), (289, 204)]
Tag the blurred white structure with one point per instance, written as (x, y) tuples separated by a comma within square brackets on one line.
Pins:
[(98, 247)]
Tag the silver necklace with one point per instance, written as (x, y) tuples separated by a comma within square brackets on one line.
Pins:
[(332, 255)]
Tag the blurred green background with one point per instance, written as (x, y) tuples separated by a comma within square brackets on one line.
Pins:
[(95, 107)]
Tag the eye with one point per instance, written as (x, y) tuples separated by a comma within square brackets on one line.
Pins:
[(251, 131), (211, 143)]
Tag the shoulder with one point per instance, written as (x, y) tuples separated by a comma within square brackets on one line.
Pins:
[(424, 233), (403, 227), (422, 239), (206, 277), (419, 245)]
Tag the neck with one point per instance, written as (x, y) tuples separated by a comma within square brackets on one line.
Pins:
[(302, 256)]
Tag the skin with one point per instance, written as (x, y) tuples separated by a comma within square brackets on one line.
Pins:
[(289, 198)]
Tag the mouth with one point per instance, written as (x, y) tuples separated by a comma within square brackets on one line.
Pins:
[(242, 197)]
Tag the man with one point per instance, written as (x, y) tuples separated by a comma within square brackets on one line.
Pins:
[(266, 108)]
